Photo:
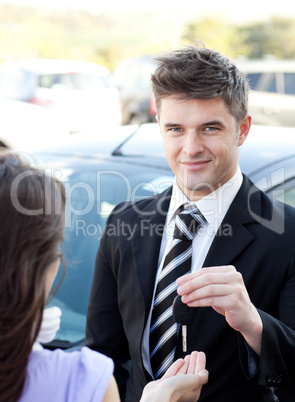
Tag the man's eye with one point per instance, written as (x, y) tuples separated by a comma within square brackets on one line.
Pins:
[(211, 129), (175, 129)]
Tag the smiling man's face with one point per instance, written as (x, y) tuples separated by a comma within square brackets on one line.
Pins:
[(201, 140)]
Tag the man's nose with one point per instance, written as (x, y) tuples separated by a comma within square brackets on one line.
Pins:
[(193, 144)]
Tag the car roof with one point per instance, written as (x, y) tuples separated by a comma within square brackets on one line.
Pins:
[(59, 66), (265, 65), (265, 145), (126, 140), (26, 126)]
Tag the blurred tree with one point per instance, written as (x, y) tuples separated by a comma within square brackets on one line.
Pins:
[(275, 37), (254, 40), (49, 33), (106, 38), (215, 33)]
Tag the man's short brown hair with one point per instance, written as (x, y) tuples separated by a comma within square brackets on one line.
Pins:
[(200, 73)]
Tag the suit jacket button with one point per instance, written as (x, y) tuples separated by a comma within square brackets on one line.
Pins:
[(269, 377), (279, 379)]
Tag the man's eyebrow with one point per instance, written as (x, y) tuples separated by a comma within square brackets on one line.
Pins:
[(205, 124), (213, 123), (171, 125)]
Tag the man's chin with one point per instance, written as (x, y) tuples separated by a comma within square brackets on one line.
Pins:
[(196, 187), (197, 191)]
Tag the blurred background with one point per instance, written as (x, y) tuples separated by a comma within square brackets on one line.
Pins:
[(88, 62)]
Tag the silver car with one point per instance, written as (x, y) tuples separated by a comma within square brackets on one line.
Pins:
[(272, 96), (78, 91)]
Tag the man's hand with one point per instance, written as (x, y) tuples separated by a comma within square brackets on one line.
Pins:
[(223, 289)]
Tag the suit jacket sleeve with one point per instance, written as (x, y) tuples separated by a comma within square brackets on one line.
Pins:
[(277, 358), (104, 328)]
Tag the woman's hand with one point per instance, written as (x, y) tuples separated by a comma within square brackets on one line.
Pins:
[(182, 382)]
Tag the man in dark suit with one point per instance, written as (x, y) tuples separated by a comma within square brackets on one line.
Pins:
[(242, 277)]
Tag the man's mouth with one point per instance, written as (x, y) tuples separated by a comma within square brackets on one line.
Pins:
[(195, 165)]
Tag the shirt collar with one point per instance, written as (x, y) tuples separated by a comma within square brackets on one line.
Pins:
[(214, 205)]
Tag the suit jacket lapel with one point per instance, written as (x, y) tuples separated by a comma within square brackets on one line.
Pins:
[(233, 236), (146, 243)]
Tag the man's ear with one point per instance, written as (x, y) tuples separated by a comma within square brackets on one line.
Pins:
[(158, 118), (244, 128)]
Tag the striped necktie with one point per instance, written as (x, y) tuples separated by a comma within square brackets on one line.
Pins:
[(163, 330)]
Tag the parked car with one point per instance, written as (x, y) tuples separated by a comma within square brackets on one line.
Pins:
[(27, 126), (272, 96), (132, 78), (271, 99), (129, 165), (97, 176), (78, 91)]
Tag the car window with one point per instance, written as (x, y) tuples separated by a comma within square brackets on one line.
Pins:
[(128, 81), (285, 193), (263, 81), (254, 80), (73, 81), (289, 81), (134, 75), (144, 78), (269, 83), (16, 83)]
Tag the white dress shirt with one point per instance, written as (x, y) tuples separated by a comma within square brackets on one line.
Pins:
[(214, 206)]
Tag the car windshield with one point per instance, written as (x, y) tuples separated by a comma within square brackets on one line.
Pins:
[(93, 188), (16, 83), (73, 81)]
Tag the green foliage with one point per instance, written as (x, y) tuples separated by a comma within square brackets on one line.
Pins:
[(275, 36), (30, 32), (216, 34)]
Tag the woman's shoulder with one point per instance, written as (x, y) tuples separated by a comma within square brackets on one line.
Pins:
[(59, 358), (74, 376)]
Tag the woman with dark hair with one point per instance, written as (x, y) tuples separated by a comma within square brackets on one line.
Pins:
[(31, 232)]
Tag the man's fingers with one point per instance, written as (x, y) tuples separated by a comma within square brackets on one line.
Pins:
[(206, 281), (205, 271)]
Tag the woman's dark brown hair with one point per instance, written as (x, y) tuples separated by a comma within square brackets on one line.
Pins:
[(31, 231)]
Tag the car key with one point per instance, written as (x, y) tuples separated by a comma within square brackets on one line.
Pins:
[(183, 314)]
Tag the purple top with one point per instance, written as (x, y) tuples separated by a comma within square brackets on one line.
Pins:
[(67, 377)]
